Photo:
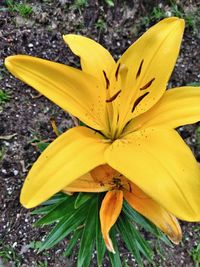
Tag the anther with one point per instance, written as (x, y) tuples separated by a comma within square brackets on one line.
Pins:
[(113, 97), (138, 100), (117, 71), (106, 79), (117, 117), (139, 70), (147, 85)]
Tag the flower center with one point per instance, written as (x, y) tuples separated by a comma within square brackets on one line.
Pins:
[(124, 99), (109, 177)]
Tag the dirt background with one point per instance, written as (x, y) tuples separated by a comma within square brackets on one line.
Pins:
[(27, 116)]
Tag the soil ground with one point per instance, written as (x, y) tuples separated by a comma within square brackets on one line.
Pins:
[(26, 116)]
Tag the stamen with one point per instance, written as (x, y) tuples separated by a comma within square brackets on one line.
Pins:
[(138, 100), (117, 117), (139, 70), (117, 71), (117, 182), (106, 141), (113, 97), (127, 124), (106, 79), (147, 85), (130, 189), (101, 183)]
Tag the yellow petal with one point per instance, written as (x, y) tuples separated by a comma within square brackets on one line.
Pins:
[(87, 183), (160, 163), (71, 155), (94, 58), (150, 61), (69, 88), (109, 212), (145, 205), (178, 106)]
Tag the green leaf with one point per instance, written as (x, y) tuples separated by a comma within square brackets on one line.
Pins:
[(194, 84), (82, 124), (50, 204), (139, 219), (35, 244), (87, 238), (56, 198), (109, 2), (73, 242), (100, 244), (114, 258), (125, 230), (62, 209), (143, 245), (145, 223), (65, 226), (162, 237), (43, 210), (42, 146), (82, 198), (125, 264)]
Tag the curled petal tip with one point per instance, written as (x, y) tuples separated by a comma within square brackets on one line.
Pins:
[(109, 244), (175, 235), (175, 239)]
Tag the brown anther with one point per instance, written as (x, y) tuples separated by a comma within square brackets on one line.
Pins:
[(112, 98), (139, 70), (101, 183), (130, 189), (117, 71), (138, 100), (106, 79), (147, 85), (117, 182)]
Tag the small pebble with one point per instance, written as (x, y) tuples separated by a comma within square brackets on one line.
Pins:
[(15, 172), (30, 45)]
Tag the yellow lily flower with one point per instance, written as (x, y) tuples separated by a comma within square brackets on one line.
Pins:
[(131, 148)]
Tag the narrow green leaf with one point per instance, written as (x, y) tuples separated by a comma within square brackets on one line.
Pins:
[(82, 198), (50, 204), (42, 146), (43, 210), (194, 84), (56, 198), (65, 226), (114, 258), (73, 242), (125, 230), (143, 245), (162, 237), (109, 3), (64, 208), (145, 223), (100, 244), (87, 238), (82, 123), (139, 219), (125, 264)]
